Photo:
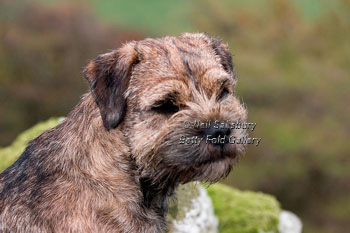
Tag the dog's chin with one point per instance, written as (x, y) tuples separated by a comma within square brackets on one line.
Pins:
[(208, 171), (184, 163), (213, 163), (211, 153)]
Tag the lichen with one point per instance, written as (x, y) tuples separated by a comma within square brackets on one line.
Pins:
[(195, 212)]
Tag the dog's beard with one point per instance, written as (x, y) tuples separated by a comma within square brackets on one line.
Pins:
[(203, 162), (171, 161)]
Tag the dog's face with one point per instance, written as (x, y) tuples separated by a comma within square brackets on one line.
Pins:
[(156, 89)]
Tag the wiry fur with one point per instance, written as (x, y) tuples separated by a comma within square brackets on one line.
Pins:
[(111, 165)]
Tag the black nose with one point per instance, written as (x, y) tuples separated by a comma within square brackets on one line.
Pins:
[(217, 132)]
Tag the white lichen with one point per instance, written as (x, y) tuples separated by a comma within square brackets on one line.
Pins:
[(199, 216), (289, 223)]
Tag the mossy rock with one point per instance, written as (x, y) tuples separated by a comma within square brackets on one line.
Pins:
[(9, 155), (237, 211), (244, 212)]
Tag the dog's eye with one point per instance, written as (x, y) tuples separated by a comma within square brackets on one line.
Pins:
[(224, 93), (166, 107)]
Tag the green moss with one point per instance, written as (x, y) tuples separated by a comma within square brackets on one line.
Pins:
[(9, 154), (244, 212)]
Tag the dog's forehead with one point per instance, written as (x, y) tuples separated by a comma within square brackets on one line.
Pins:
[(178, 53), (187, 60)]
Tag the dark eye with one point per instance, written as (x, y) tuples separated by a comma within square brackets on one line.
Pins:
[(166, 107), (224, 93)]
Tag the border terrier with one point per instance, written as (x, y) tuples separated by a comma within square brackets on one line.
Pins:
[(113, 163)]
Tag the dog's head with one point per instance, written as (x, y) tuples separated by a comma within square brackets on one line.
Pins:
[(154, 90)]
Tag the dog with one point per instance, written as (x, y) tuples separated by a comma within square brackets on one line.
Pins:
[(114, 162)]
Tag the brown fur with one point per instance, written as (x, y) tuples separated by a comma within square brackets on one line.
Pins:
[(112, 164)]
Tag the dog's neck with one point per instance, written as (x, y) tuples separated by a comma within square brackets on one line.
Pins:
[(155, 196), (107, 160)]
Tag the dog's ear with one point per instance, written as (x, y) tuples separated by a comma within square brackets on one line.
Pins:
[(109, 76), (223, 52)]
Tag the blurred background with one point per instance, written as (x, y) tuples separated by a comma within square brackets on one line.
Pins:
[(293, 63)]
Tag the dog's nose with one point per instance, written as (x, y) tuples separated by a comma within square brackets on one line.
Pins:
[(217, 132)]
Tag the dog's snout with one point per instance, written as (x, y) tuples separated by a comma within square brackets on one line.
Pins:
[(214, 132)]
